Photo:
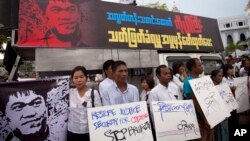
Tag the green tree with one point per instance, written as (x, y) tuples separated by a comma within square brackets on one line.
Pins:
[(246, 43), (3, 39), (157, 5), (231, 47)]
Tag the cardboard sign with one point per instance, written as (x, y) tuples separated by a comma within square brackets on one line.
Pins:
[(227, 96), (241, 94), (175, 120), (128, 122), (209, 100)]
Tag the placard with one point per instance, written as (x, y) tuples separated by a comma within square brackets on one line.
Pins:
[(209, 100), (98, 24), (175, 120), (241, 94), (227, 96), (128, 122)]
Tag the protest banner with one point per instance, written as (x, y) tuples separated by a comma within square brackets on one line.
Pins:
[(209, 100), (227, 96), (241, 94), (175, 120), (128, 122), (34, 110), (99, 24)]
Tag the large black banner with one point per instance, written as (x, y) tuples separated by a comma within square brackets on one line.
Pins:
[(96, 24), (34, 111)]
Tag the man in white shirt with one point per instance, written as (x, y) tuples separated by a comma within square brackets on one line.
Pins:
[(165, 90), (120, 91), (246, 67), (107, 69)]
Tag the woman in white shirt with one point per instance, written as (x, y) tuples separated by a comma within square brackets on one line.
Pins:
[(228, 73), (80, 99), (147, 83), (179, 76)]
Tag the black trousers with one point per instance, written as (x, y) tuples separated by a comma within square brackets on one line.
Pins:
[(77, 137), (232, 124)]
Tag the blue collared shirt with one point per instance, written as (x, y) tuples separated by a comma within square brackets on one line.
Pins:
[(112, 95)]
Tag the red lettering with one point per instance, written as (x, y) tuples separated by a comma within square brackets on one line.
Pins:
[(137, 119), (189, 24)]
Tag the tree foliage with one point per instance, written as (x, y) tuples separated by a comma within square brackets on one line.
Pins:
[(3, 39), (231, 47), (158, 6)]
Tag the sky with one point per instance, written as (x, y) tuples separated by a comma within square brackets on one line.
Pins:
[(206, 8)]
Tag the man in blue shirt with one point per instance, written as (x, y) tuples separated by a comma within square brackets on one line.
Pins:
[(120, 91), (194, 65)]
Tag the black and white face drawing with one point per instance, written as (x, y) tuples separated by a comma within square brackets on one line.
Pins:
[(30, 115), (26, 112)]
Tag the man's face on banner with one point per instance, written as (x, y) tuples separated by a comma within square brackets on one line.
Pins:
[(26, 112), (63, 16)]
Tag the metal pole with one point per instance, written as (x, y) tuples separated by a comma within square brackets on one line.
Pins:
[(14, 68)]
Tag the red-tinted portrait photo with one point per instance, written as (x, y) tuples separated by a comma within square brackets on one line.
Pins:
[(53, 23)]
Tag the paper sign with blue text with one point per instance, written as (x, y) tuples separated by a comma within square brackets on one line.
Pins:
[(175, 120), (241, 94), (127, 122), (209, 99), (227, 96)]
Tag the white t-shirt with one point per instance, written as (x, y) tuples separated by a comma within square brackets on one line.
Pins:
[(78, 121)]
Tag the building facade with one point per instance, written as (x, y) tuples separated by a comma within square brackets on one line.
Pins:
[(235, 28)]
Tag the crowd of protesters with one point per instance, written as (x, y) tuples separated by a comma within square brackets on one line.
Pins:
[(173, 85)]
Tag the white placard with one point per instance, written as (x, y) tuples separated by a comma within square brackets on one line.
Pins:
[(175, 120), (241, 94), (209, 100), (128, 122), (227, 96)]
